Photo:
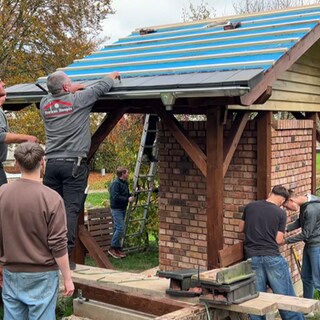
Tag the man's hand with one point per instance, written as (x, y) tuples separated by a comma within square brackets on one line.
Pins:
[(68, 287), (131, 199), (114, 75), (32, 138)]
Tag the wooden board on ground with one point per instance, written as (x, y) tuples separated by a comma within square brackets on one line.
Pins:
[(254, 306), (291, 303)]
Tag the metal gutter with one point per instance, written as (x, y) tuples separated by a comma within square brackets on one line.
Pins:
[(228, 91)]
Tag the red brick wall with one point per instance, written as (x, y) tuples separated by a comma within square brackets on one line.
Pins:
[(292, 166), (182, 240)]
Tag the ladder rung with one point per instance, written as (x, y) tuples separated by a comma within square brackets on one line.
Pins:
[(146, 176)]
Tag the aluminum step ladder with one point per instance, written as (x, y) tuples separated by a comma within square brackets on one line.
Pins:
[(135, 237)]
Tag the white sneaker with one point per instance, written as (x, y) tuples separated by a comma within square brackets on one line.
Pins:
[(309, 315)]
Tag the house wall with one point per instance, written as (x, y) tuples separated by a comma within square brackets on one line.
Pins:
[(183, 228)]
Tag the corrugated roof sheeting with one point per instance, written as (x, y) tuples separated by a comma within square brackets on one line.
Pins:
[(200, 47)]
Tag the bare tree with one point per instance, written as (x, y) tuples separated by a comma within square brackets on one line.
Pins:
[(200, 12), (251, 6)]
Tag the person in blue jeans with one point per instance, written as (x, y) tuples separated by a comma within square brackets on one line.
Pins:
[(33, 242), (119, 199), (309, 222), (263, 223)]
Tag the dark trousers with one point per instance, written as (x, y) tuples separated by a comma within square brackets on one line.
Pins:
[(3, 177), (58, 176)]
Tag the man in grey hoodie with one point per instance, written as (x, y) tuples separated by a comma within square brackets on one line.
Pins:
[(309, 222)]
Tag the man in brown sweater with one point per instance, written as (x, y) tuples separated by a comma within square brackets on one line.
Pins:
[(33, 242)]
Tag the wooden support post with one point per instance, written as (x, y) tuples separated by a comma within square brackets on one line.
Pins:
[(215, 186), (264, 141)]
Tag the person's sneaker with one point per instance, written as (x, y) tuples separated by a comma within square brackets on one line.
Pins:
[(121, 253), (309, 315), (114, 253)]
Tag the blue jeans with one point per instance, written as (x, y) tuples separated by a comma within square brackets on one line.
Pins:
[(310, 273), (118, 227), (58, 176), (30, 295), (273, 271)]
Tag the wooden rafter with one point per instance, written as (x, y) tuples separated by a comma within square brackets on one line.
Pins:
[(191, 148), (233, 139)]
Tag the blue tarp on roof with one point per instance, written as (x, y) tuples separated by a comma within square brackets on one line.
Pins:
[(204, 46), (195, 59)]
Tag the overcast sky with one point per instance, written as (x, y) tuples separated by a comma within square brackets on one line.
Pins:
[(134, 14)]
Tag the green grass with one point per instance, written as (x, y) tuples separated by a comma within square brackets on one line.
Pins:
[(98, 199), (318, 163), (134, 262)]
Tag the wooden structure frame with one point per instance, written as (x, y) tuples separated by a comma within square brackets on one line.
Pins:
[(245, 82)]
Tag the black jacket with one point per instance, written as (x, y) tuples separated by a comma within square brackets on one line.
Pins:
[(119, 194), (309, 221)]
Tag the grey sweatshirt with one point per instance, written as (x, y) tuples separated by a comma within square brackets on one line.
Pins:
[(3, 133), (67, 120), (309, 221)]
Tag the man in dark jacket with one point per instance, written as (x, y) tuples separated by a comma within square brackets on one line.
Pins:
[(119, 199), (309, 222)]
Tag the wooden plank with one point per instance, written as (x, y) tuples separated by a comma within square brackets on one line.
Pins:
[(94, 250), (95, 310), (254, 306), (231, 255), (136, 301), (264, 154), (295, 96), (190, 313), (233, 139), (215, 185), (298, 88), (296, 304), (273, 105), (190, 147)]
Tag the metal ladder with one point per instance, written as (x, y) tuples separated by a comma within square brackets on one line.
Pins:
[(135, 238)]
